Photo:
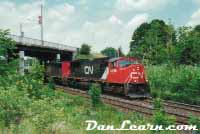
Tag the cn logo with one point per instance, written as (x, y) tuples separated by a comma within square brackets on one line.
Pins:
[(88, 69)]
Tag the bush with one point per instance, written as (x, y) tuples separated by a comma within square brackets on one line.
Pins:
[(160, 117), (195, 121), (95, 94), (158, 104), (13, 105), (51, 84), (175, 83), (44, 115)]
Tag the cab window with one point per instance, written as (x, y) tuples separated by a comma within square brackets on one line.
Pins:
[(113, 64), (125, 63)]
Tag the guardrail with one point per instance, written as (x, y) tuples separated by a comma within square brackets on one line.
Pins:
[(35, 42)]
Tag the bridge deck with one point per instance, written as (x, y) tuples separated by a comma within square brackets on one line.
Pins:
[(38, 43)]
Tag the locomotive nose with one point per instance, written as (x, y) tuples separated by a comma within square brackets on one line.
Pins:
[(137, 73)]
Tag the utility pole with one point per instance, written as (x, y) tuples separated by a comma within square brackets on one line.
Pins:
[(21, 30), (41, 24)]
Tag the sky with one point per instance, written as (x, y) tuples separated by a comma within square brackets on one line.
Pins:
[(99, 23)]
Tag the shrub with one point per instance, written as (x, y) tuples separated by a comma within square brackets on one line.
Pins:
[(175, 82), (51, 84), (95, 94), (44, 115), (195, 121), (160, 117), (13, 106), (37, 71)]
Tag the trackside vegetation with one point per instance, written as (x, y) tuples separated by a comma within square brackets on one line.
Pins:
[(181, 83), (95, 94)]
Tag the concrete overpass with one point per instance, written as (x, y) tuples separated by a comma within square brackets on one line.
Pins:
[(42, 50)]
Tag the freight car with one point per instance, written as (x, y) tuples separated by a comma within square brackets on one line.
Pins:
[(124, 75)]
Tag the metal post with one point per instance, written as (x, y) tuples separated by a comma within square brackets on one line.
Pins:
[(74, 54), (21, 30), (21, 62), (58, 57), (42, 24)]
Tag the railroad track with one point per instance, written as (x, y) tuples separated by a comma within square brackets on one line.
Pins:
[(179, 110)]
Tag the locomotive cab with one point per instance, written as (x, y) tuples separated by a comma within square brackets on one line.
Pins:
[(128, 72)]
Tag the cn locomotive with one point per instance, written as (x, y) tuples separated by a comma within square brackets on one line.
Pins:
[(124, 75)]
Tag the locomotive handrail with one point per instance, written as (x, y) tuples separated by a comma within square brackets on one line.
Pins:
[(36, 42)]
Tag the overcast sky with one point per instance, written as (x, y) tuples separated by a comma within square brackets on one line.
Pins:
[(99, 23)]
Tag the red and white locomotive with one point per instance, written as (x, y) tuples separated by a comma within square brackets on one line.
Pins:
[(122, 75)]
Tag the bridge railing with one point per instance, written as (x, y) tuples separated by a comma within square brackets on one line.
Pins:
[(35, 42)]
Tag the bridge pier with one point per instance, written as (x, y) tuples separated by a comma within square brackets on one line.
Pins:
[(74, 54), (58, 57), (21, 62)]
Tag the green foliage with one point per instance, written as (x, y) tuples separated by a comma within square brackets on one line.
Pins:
[(85, 49), (13, 105), (153, 41), (84, 52), (7, 45), (195, 121), (44, 114), (160, 117), (82, 56), (51, 84), (110, 52), (158, 104), (95, 94), (175, 83), (188, 46), (157, 43), (37, 71), (90, 57)]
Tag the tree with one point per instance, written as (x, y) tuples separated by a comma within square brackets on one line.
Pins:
[(110, 52), (138, 36), (85, 49), (188, 45), (120, 53), (153, 41), (197, 28), (7, 45)]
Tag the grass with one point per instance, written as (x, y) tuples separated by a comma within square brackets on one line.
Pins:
[(70, 113)]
